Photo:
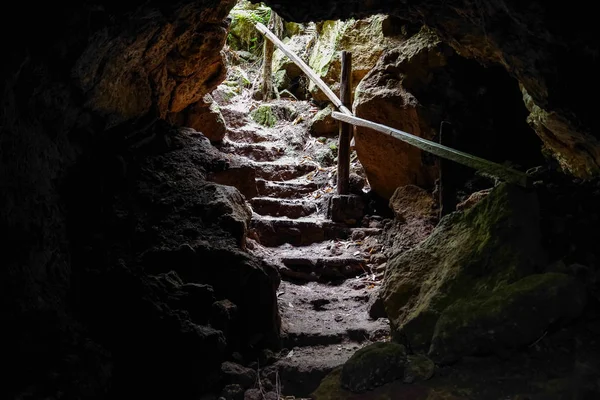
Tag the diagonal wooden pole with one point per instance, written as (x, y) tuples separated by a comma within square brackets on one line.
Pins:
[(502, 172)]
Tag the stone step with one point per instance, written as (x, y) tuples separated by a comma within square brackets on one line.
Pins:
[(282, 170), (253, 151), (283, 207), (250, 134), (314, 268), (285, 189), (322, 326), (301, 372), (275, 231)]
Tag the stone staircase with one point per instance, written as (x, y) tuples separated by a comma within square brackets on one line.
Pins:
[(327, 277)]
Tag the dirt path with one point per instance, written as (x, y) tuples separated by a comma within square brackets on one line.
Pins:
[(328, 269)]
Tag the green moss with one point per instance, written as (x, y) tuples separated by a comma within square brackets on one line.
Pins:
[(331, 388), (514, 315), (242, 33), (264, 115), (373, 366)]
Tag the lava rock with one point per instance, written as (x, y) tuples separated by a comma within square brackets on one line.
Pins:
[(373, 366), (346, 208), (232, 392), (512, 316), (233, 373), (418, 368)]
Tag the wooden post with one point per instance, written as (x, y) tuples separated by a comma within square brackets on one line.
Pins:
[(447, 187), (267, 72), (343, 186)]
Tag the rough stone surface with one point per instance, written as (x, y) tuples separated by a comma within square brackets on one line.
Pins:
[(520, 39), (412, 202), (346, 208), (236, 374), (513, 315), (382, 98), (323, 123), (373, 366), (494, 243), (243, 178), (203, 116), (418, 368)]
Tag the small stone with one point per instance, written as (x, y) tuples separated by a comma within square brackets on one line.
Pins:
[(232, 392), (236, 374)]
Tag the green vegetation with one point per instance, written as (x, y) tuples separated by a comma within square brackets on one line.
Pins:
[(264, 115), (242, 34)]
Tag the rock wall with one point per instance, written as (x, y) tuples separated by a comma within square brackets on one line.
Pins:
[(84, 89), (541, 45), (421, 83)]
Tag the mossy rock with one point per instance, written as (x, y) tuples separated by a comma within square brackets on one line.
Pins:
[(323, 124), (242, 33), (469, 254), (512, 316), (374, 365), (418, 368), (264, 115)]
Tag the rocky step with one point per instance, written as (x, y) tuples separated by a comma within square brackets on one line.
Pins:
[(250, 134), (321, 314), (286, 189), (283, 207), (253, 151), (322, 326), (275, 231), (302, 369), (311, 268), (282, 170)]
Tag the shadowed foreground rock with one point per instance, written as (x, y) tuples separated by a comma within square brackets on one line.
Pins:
[(469, 255)]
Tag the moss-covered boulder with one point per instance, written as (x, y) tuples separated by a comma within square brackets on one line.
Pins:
[(373, 366), (264, 115), (242, 34), (364, 38), (323, 124), (320, 46), (470, 254), (513, 315)]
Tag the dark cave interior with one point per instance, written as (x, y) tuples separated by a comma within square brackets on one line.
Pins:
[(126, 271)]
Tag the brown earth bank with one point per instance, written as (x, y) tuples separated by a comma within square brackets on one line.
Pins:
[(142, 259)]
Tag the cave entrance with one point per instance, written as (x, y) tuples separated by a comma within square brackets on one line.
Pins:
[(282, 156)]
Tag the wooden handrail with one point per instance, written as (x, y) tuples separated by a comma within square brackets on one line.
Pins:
[(305, 68), (345, 115), (505, 173)]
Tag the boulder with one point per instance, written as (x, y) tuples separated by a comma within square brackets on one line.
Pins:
[(243, 178), (418, 368), (513, 315), (373, 365), (348, 209), (470, 253), (203, 116), (323, 124), (228, 208), (236, 374), (412, 202), (383, 98), (363, 38)]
